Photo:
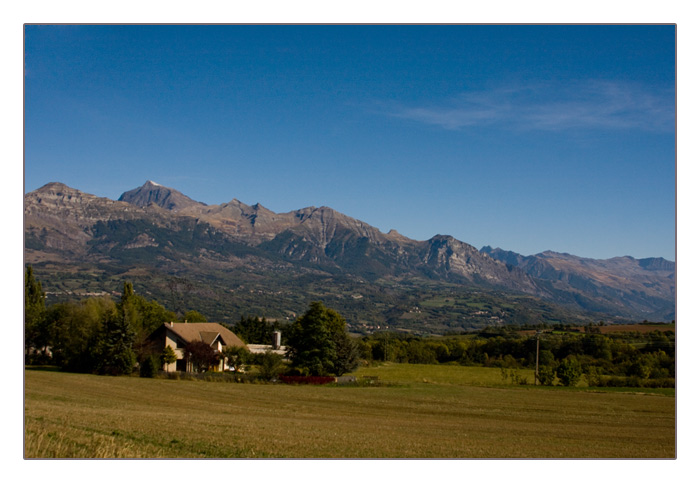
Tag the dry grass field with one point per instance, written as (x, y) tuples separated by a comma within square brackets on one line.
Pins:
[(425, 416)]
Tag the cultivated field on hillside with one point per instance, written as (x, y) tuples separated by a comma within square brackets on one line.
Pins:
[(425, 415), (641, 328)]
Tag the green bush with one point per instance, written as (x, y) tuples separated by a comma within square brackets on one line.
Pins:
[(569, 371), (270, 365), (149, 367), (545, 375)]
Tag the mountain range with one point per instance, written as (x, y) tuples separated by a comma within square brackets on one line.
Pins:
[(232, 258)]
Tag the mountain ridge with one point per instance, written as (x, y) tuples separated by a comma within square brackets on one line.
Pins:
[(159, 227)]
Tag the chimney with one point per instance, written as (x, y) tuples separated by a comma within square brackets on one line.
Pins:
[(276, 339), (171, 323)]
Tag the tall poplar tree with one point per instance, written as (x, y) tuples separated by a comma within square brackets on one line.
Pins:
[(34, 303), (36, 335)]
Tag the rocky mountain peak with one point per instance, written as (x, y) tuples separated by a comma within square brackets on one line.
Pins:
[(59, 190), (152, 193)]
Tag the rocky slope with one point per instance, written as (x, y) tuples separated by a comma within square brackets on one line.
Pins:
[(160, 229)]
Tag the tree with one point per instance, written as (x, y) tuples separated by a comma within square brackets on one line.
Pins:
[(168, 356), (114, 354), (128, 307), (149, 367), (318, 344), (143, 317), (236, 357), (545, 375), (35, 331), (201, 355), (75, 331), (34, 304), (252, 330), (347, 354), (270, 364), (194, 317), (546, 358), (569, 371)]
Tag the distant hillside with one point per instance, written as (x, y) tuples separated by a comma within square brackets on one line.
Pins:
[(645, 288), (225, 256)]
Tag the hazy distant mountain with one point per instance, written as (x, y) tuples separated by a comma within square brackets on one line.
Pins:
[(645, 287), (156, 231)]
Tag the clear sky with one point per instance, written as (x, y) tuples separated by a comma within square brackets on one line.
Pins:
[(527, 138)]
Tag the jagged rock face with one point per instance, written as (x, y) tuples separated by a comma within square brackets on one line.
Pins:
[(507, 257), (460, 259), (60, 218), (155, 226), (657, 264)]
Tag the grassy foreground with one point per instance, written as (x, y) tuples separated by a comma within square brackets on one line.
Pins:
[(85, 416)]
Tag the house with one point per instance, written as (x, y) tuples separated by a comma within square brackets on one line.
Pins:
[(178, 335)]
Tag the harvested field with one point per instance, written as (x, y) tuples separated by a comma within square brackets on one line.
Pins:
[(85, 416)]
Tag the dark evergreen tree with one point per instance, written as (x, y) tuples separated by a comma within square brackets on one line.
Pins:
[(114, 354), (149, 367), (253, 330), (143, 317)]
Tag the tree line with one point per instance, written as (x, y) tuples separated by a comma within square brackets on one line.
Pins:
[(96, 334), (104, 336), (639, 359)]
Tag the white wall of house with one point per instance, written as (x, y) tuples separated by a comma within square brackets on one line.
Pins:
[(169, 341)]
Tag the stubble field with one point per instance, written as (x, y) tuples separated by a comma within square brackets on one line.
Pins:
[(466, 414)]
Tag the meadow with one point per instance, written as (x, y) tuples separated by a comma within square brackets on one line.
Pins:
[(412, 411)]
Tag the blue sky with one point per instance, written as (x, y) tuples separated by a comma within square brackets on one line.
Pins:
[(528, 138)]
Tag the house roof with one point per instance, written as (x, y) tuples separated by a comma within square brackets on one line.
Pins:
[(209, 337), (206, 332)]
